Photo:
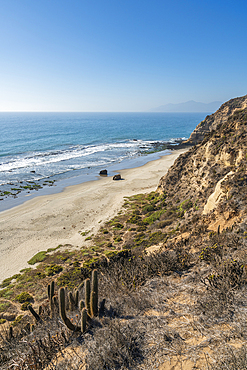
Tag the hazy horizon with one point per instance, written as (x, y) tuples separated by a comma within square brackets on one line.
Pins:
[(96, 56)]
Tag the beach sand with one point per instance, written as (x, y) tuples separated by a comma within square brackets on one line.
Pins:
[(47, 221)]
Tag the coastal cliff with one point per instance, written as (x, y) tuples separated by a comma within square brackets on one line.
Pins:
[(212, 174), (211, 122)]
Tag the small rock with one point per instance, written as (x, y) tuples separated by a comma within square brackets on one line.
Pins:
[(32, 171), (9, 316), (117, 177), (103, 172)]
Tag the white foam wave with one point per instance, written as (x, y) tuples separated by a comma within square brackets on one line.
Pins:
[(41, 159)]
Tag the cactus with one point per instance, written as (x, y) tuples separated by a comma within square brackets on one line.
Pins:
[(50, 291), (81, 305), (83, 320), (62, 311), (94, 297), (34, 313), (101, 307), (40, 310), (66, 298), (93, 304), (55, 301), (87, 295), (11, 335), (71, 301), (73, 298), (80, 286), (87, 309), (76, 297)]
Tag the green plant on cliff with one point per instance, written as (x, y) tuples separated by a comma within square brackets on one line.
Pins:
[(39, 257)]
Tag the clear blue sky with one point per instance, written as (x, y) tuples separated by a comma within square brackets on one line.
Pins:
[(120, 55)]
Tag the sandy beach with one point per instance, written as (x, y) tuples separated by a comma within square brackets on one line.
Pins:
[(47, 221)]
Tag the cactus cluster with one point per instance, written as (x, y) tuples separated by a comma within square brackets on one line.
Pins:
[(88, 309)]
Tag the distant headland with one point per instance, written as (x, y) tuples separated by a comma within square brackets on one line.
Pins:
[(189, 106)]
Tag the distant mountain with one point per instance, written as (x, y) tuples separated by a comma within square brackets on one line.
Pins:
[(189, 106)]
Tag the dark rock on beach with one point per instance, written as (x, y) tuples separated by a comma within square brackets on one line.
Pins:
[(117, 177), (103, 172)]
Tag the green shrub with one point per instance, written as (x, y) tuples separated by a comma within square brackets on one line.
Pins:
[(7, 281), (134, 219), (164, 223), (4, 306), (17, 320), (71, 278), (117, 226), (156, 237), (118, 239), (53, 269), (154, 216), (24, 297), (2, 321), (24, 306), (148, 208), (39, 257)]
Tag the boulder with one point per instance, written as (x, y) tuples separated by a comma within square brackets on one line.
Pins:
[(117, 177), (103, 172)]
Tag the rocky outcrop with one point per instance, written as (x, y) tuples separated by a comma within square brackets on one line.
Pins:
[(213, 173), (211, 122)]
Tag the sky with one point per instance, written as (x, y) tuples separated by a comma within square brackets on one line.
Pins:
[(120, 55)]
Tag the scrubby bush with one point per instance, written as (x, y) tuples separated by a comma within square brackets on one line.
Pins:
[(24, 297)]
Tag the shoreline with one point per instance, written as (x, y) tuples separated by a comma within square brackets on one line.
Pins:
[(58, 185), (47, 221)]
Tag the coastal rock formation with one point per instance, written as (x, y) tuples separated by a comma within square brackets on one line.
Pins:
[(213, 173), (211, 122)]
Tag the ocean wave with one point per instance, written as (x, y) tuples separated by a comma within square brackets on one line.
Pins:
[(34, 159)]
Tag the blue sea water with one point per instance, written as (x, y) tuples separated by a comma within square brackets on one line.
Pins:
[(39, 146)]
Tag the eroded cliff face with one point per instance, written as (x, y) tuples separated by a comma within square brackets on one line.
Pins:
[(213, 173), (211, 122)]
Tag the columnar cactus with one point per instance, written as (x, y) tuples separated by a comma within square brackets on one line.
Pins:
[(87, 294), (62, 311), (34, 313), (94, 294), (81, 305), (83, 320), (76, 297), (50, 292), (87, 309)]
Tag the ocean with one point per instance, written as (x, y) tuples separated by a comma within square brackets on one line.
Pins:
[(39, 149)]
